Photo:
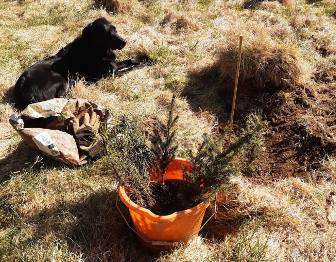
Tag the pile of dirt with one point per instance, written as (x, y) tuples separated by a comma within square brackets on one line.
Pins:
[(301, 126), (300, 129)]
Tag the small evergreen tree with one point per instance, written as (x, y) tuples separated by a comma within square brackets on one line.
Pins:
[(163, 141), (135, 160), (211, 167), (130, 159)]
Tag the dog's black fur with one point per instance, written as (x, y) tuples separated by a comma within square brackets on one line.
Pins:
[(90, 56)]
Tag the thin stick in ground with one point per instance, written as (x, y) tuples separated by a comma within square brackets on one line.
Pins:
[(236, 86)]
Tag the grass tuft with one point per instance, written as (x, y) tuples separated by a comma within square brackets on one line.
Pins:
[(118, 6)]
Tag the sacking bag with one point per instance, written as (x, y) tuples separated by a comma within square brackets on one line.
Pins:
[(64, 129)]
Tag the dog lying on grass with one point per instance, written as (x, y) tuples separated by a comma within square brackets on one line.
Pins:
[(90, 56)]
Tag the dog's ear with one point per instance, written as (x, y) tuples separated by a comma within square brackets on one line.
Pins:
[(94, 28), (87, 31)]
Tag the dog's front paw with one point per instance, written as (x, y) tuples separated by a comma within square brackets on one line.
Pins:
[(145, 59), (136, 62)]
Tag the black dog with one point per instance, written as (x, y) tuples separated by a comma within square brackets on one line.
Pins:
[(90, 55)]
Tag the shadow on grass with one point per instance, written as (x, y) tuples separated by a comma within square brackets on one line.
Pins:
[(92, 227), (96, 229), (227, 221), (205, 91), (8, 96), (252, 4), (202, 92), (23, 158)]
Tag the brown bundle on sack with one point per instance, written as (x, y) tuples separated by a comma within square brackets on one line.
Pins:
[(66, 130), (85, 128)]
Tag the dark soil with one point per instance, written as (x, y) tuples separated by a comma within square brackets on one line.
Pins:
[(300, 132), (300, 128), (175, 195)]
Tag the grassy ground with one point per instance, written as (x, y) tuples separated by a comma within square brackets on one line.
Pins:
[(53, 212)]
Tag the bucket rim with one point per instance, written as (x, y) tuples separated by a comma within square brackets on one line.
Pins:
[(157, 218)]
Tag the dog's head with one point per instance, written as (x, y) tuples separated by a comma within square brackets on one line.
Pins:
[(103, 35)]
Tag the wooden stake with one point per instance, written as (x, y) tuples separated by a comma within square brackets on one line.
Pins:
[(236, 86)]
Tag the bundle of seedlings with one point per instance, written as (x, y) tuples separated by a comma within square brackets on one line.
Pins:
[(140, 159)]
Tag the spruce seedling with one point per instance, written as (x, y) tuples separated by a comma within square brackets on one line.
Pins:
[(211, 167), (136, 160), (130, 158), (163, 140)]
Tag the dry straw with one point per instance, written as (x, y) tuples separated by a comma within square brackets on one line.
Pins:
[(52, 212)]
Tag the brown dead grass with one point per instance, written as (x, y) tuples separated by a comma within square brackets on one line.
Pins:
[(53, 212), (117, 6)]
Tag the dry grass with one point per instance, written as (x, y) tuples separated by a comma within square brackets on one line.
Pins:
[(52, 212)]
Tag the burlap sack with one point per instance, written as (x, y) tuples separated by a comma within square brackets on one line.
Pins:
[(64, 129)]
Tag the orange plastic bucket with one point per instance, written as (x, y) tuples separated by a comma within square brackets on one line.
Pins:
[(160, 233)]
